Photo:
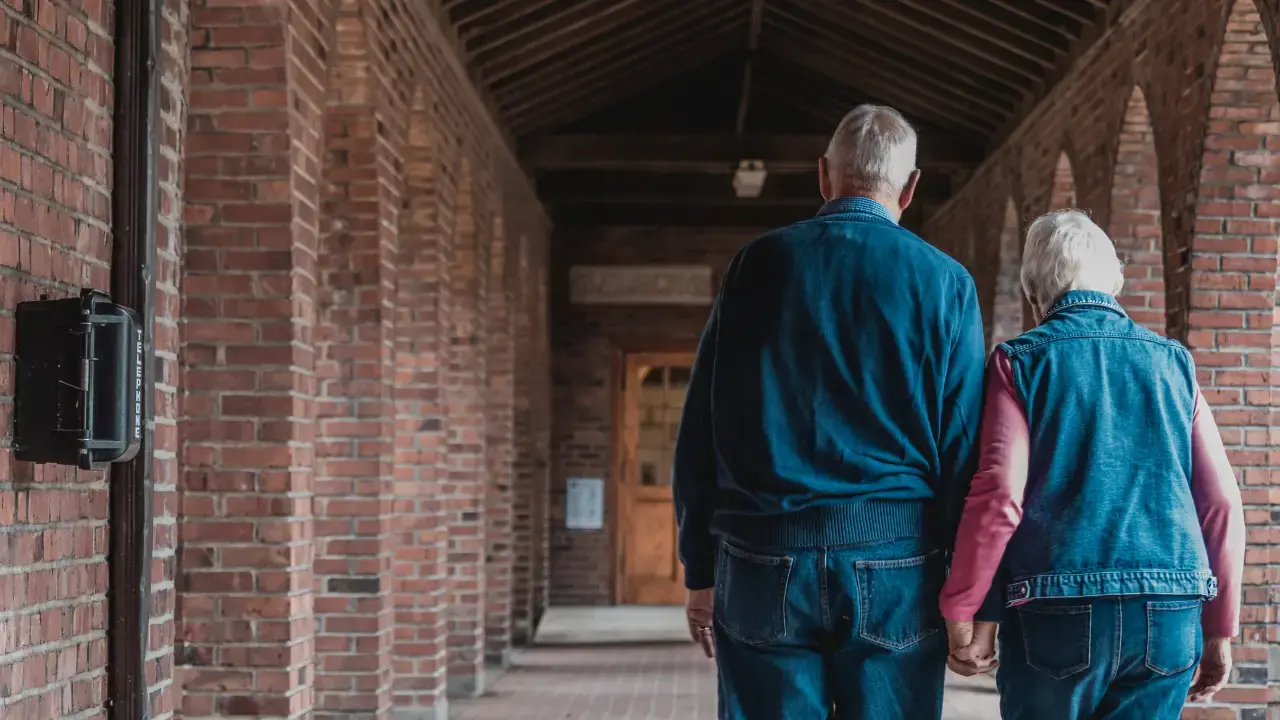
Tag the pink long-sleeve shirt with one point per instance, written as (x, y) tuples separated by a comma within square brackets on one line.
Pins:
[(993, 509)]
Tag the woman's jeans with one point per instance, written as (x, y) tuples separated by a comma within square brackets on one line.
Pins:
[(852, 632), (1102, 659)]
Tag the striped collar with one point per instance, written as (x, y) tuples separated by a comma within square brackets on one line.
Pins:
[(859, 205)]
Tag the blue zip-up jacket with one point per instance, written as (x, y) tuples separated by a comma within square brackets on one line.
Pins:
[(1109, 508), (836, 395)]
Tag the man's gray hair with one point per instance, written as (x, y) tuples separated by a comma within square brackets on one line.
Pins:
[(1066, 251), (873, 150)]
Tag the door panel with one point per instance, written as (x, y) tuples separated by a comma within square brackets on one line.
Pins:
[(653, 398)]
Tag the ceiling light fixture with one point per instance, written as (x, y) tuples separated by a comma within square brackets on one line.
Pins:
[(748, 180)]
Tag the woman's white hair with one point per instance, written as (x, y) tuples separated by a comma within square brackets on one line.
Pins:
[(1066, 251)]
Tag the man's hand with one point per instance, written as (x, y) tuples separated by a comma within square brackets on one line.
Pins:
[(699, 609), (1215, 668), (972, 647)]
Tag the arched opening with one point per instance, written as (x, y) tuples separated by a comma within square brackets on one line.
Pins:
[(421, 350), (1007, 310), (1135, 217), (1064, 185)]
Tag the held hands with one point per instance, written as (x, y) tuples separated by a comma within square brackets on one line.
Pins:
[(973, 647), (1215, 668), (698, 610)]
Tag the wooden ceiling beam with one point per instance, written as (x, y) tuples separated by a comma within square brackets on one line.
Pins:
[(744, 215), (815, 43), (939, 11), (636, 25), (619, 49), (921, 59), (588, 99), (1020, 8), (890, 15), (544, 93), (548, 30), (1053, 41), (578, 188), (700, 153), (753, 42), (1086, 15), (503, 10), (909, 93)]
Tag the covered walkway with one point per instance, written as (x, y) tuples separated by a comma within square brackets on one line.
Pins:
[(584, 670), (426, 277)]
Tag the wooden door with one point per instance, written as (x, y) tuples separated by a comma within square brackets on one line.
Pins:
[(653, 398)]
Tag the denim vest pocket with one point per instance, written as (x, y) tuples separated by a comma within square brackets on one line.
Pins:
[(751, 595), (1057, 639), (898, 600), (1172, 636)]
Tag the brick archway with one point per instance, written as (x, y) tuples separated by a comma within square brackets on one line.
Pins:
[(1064, 193), (1008, 311), (1135, 217), (1231, 330)]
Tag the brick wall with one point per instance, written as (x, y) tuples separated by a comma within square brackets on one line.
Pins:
[(55, 180), (587, 342), (1181, 97), (350, 209)]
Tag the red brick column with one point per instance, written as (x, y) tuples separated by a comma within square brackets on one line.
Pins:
[(1135, 217), (524, 462), (354, 371), (245, 587), (424, 296), (1231, 326), (499, 429), (464, 489)]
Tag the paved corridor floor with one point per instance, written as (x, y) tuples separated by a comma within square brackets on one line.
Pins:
[(641, 682)]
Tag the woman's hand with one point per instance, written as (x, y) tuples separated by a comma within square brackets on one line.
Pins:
[(1215, 668), (698, 610), (973, 647)]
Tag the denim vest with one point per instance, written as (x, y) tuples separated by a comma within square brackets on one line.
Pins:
[(1108, 508)]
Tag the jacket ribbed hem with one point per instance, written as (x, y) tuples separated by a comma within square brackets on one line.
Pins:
[(826, 526)]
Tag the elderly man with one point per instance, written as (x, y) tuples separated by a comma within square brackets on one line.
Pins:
[(827, 444)]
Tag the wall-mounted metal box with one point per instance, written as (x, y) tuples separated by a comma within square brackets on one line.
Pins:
[(78, 398)]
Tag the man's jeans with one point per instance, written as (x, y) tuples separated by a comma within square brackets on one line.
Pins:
[(851, 632), (1109, 659)]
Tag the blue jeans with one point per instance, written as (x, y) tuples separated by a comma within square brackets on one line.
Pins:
[(1127, 658), (852, 633)]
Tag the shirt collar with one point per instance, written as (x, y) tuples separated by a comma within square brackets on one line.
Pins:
[(1093, 298), (858, 205)]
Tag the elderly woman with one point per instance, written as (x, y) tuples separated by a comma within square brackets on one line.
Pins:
[(1104, 510)]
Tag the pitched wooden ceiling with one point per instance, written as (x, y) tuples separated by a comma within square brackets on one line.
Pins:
[(637, 111)]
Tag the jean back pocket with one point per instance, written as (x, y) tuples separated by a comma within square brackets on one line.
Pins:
[(751, 595), (898, 600), (1173, 636), (1057, 639)]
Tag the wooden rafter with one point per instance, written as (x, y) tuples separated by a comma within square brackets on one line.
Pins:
[(1011, 23), (982, 32), (921, 57), (1021, 9), (582, 100), (679, 43), (637, 24), (828, 43), (503, 10), (550, 29), (705, 154), (1085, 15), (618, 48), (891, 15), (753, 42)]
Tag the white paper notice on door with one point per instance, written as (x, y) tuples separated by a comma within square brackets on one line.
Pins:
[(584, 504)]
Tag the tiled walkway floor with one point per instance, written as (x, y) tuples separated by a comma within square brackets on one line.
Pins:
[(640, 682)]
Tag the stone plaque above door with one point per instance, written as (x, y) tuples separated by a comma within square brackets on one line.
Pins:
[(640, 285)]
